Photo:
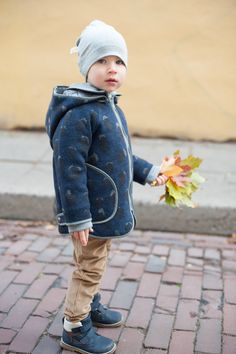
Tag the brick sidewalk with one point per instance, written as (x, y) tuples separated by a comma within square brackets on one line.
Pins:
[(177, 292)]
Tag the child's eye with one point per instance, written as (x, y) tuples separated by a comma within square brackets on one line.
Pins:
[(120, 62), (102, 61)]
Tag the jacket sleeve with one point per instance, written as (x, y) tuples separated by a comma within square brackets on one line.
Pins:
[(153, 173), (71, 143), (144, 171)]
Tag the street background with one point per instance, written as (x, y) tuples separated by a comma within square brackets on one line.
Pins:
[(181, 78), (174, 277)]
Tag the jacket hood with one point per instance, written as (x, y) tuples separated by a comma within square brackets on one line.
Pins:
[(65, 98)]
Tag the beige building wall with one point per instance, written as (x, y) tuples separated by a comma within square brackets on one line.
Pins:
[(182, 62)]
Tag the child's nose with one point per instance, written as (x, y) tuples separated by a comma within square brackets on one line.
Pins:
[(112, 68)]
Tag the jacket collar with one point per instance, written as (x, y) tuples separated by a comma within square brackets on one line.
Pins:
[(87, 87)]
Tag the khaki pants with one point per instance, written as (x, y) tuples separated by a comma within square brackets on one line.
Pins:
[(90, 264)]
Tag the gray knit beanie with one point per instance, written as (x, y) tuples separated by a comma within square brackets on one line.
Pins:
[(97, 41)]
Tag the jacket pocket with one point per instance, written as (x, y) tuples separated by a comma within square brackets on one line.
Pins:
[(103, 195)]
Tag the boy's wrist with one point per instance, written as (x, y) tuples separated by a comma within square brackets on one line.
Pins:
[(153, 173)]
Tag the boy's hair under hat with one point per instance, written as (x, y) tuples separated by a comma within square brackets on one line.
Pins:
[(99, 40)]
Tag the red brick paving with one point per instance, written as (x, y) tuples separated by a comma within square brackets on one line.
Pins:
[(18, 247), (124, 294), (27, 338), (159, 331), (110, 278), (50, 302), (6, 277), (149, 284), (133, 271), (172, 290), (212, 278), (29, 274), (155, 351), (187, 315), (211, 304), (173, 275), (131, 339), (209, 336), (182, 342), (177, 257), (10, 296), (229, 345), (19, 313), (230, 319), (167, 298), (6, 335), (47, 345), (140, 312), (230, 288), (161, 250), (191, 287)]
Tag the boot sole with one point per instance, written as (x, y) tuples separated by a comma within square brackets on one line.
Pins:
[(77, 350), (117, 324)]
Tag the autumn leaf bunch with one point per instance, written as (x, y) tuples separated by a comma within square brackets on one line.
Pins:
[(183, 179)]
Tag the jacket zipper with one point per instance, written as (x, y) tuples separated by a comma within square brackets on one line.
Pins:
[(111, 100)]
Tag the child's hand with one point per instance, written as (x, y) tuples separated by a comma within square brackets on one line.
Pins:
[(160, 180), (82, 236)]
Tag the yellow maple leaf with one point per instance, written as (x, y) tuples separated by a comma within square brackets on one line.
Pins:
[(173, 171)]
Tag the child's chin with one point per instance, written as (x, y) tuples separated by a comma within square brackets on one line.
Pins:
[(111, 89)]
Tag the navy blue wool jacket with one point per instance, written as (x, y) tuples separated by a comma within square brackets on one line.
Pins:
[(93, 164)]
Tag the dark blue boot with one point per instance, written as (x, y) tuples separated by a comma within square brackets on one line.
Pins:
[(85, 340), (102, 316)]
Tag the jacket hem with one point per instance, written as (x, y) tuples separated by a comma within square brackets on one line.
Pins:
[(117, 236)]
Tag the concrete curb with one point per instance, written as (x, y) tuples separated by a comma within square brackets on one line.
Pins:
[(201, 220)]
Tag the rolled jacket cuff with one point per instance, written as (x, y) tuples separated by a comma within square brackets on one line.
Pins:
[(80, 226), (153, 173)]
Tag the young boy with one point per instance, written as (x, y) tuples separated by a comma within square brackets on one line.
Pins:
[(93, 169)]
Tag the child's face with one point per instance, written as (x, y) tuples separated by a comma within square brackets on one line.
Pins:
[(108, 73)]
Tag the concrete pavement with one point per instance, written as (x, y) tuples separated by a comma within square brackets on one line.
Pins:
[(177, 292), (26, 189)]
